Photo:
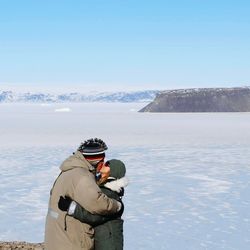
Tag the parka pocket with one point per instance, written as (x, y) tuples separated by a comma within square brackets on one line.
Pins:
[(109, 236), (117, 231), (103, 232)]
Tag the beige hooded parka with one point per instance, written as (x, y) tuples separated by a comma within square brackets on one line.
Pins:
[(76, 180)]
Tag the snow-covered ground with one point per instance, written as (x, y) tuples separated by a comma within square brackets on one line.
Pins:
[(189, 173)]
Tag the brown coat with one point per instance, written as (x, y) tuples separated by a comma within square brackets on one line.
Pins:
[(77, 181)]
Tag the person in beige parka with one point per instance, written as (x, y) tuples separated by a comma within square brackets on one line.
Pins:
[(77, 180)]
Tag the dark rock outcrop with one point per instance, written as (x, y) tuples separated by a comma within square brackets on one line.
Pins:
[(201, 100), (21, 245)]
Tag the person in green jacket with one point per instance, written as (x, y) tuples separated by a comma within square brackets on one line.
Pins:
[(108, 229)]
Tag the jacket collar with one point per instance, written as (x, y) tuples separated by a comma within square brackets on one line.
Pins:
[(117, 184)]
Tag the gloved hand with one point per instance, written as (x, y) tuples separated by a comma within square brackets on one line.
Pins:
[(64, 203)]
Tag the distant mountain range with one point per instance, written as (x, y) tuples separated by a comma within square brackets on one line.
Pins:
[(201, 100), (125, 97)]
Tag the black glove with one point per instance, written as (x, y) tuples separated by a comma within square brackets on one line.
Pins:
[(64, 203)]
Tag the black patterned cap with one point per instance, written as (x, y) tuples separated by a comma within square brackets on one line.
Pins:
[(93, 146)]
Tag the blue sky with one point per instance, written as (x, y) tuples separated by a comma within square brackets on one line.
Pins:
[(110, 44)]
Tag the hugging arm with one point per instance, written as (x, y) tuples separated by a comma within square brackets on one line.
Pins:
[(75, 210), (94, 220)]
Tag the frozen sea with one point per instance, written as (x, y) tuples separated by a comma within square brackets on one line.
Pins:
[(189, 173)]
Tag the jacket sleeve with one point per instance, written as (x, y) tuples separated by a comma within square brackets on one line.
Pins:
[(89, 195), (94, 220)]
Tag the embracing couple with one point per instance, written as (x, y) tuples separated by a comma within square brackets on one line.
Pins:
[(85, 205)]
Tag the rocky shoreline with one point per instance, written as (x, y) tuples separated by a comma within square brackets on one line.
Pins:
[(21, 245)]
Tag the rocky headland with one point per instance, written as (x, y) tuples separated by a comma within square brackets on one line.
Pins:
[(201, 100), (21, 245)]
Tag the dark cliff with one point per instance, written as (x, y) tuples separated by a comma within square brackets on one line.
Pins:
[(201, 100)]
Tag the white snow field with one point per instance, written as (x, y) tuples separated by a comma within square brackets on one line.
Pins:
[(189, 173)]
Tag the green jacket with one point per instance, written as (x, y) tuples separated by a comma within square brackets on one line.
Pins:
[(109, 228)]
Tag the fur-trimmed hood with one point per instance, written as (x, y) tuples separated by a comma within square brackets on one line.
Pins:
[(117, 184)]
